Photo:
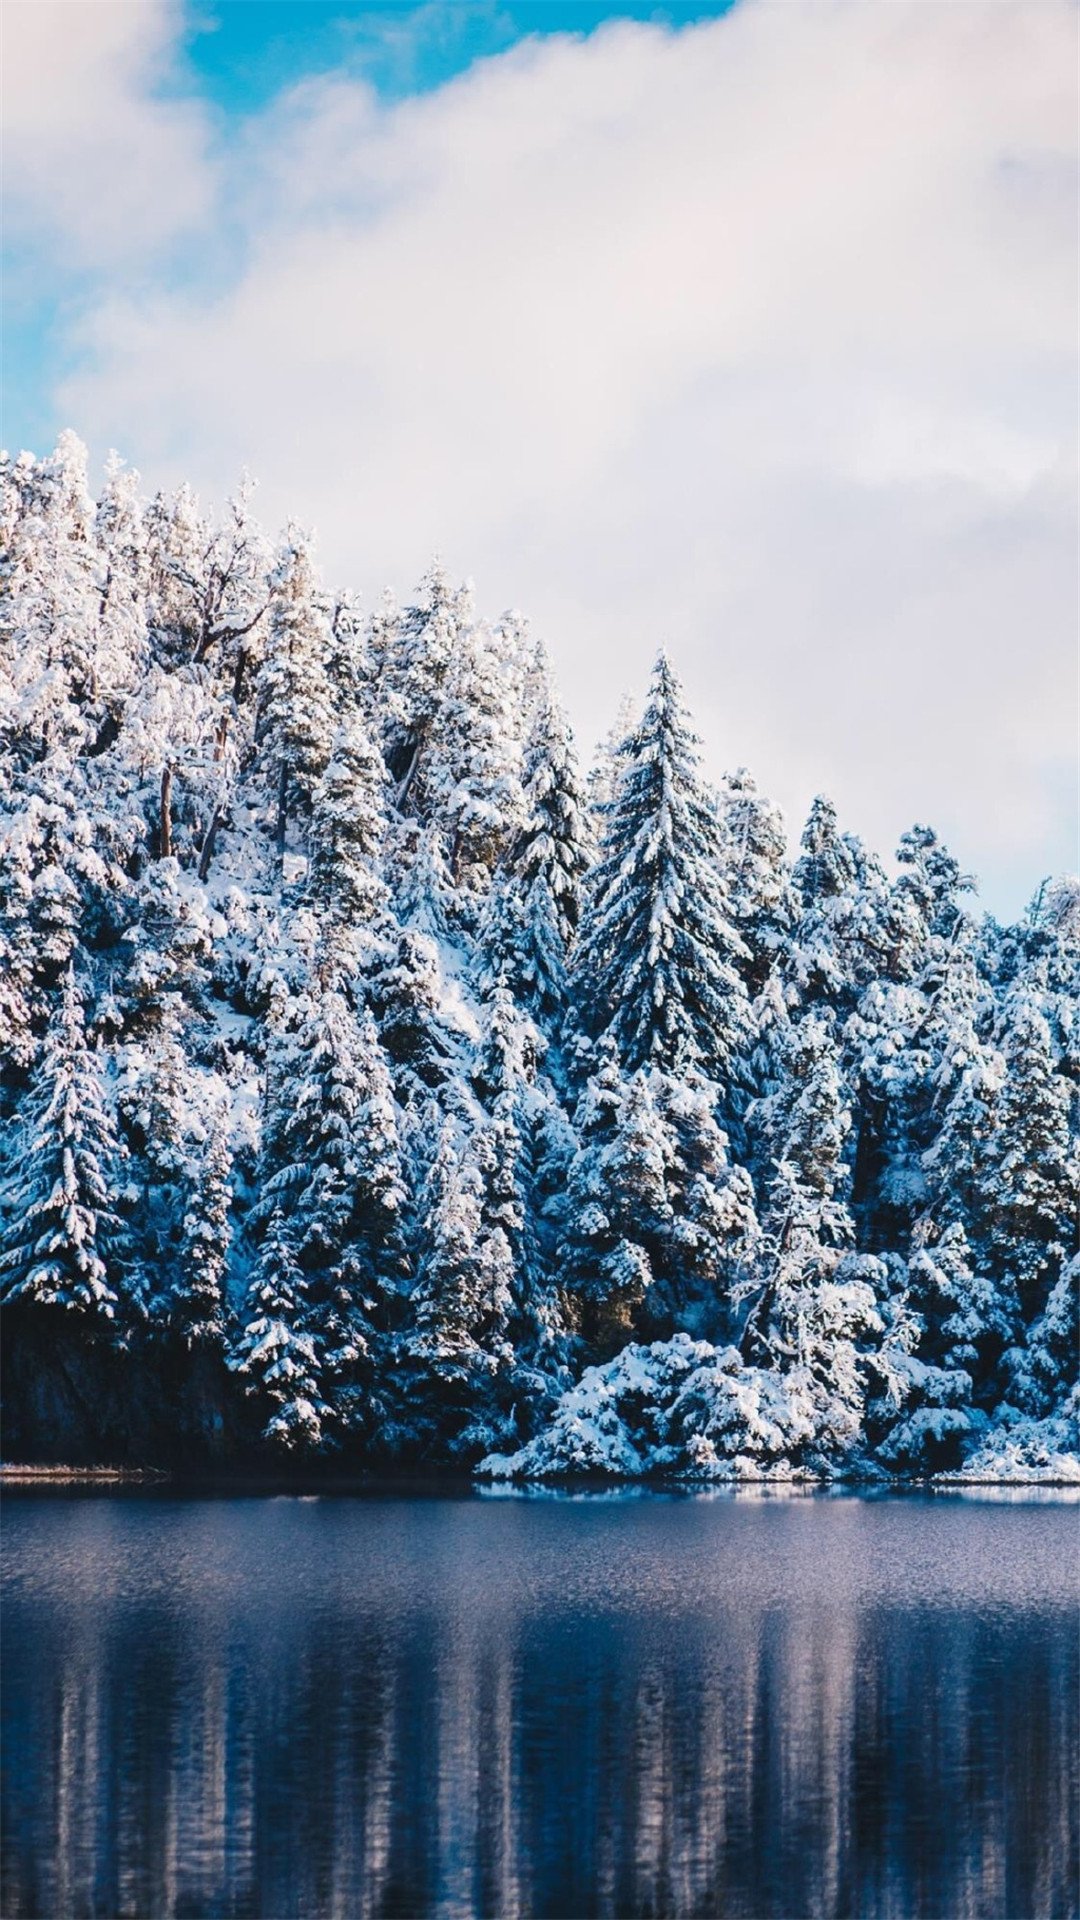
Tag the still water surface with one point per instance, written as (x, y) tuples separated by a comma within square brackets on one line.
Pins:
[(743, 1706)]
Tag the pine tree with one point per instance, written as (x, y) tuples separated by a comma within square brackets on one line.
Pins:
[(756, 874), (18, 1040), (199, 1308), (406, 994), (414, 654), (54, 913), (294, 727), (1045, 1374), (606, 768), (124, 575), (1050, 971), (236, 593), (456, 1351), (447, 683), (169, 952), (959, 1333), (825, 868), (835, 946), (657, 963), (426, 897), (349, 666), (347, 832), (1030, 1172), (472, 771), (520, 1107), (62, 1242), (605, 1266), (277, 1355), (553, 843), (48, 627), (934, 879), (810, 1311), (956, 1159), (714, 1237), (964, 1326), (801, 1132), (912, 1049), (332, 1155), (533, 913), (178, 540), (18, 1045)]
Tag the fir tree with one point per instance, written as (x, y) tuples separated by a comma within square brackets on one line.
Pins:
[(606, 768), (331, 1133), (815, 1312), (347, 831), (1045, 1373), (349, 666), (532, 920), (714, 1238), (294, 726), (834, 948), (606, 1268), (50, 621), (277, 1355), (414, 654), (756, 874), (456, 1346), (520, 1105), (124, 575), (471, 775), (1029, 1175), (62, 1242), (199, 1303), (963, 1325), (657, 963), (406, 993)]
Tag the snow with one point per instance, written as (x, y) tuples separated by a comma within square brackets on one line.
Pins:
[(464, 1112)]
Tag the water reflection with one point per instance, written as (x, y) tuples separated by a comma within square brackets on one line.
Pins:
[(351, 1708)]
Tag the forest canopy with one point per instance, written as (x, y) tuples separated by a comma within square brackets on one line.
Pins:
[(381, 1086)]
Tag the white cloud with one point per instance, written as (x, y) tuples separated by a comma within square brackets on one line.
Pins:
[(758, 338), (95, 166)]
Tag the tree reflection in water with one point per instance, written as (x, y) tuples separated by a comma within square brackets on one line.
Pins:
[(464, 1707)]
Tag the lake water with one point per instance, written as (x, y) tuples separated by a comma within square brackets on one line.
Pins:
[(748, 1706)]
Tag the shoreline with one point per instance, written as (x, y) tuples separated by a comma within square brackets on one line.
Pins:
[(15, 1474)]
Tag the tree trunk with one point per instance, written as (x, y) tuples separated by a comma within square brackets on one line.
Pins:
[(207, 853), (283, 794), (165, 829)]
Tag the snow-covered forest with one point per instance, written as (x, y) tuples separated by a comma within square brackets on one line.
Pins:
[(385, 1084)]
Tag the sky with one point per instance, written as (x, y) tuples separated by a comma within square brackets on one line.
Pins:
[(748, 330)]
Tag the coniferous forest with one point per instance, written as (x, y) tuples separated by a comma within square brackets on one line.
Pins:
[(384, 1086)]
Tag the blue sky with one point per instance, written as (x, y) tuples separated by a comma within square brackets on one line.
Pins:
[(242, 52), (750, 330)]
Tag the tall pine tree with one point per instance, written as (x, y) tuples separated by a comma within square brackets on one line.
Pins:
[(658, 960)]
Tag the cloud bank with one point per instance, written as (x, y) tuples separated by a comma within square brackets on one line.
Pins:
[(757, 338)]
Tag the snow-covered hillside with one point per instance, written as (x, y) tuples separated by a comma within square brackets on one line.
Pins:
[(378, 1087)]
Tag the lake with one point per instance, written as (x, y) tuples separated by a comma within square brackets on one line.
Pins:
[(493, 1705)]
